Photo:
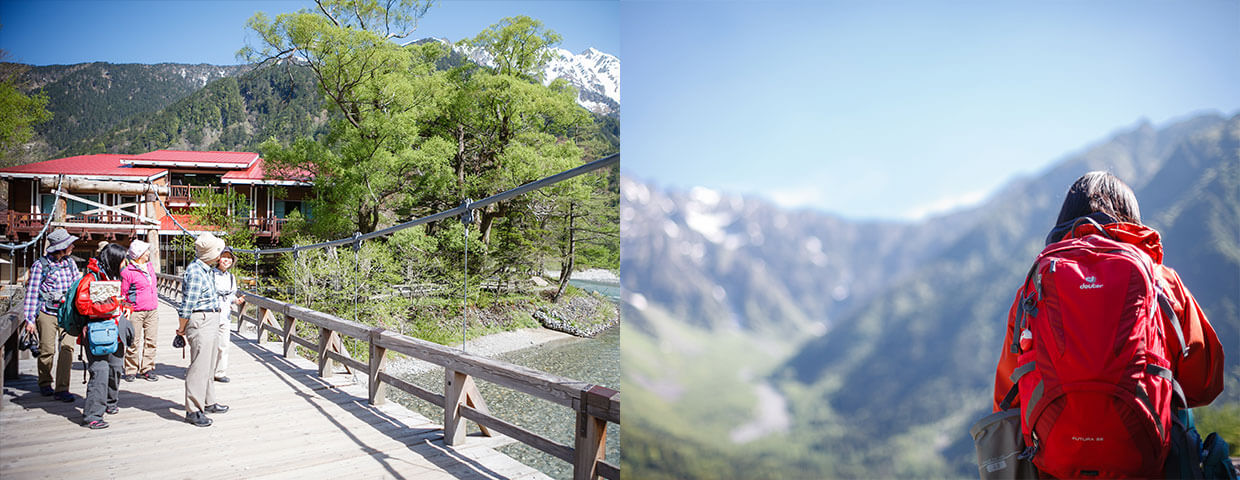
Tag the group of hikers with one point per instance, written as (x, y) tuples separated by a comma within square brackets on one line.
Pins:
[(117, 328), (1106, 352)]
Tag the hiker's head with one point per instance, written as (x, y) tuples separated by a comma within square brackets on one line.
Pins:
[(60, 243), (1100, 192), (226, 259), (208, 247), (110, 259)]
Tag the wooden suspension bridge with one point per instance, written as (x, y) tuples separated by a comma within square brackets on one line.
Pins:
[(294, 418)]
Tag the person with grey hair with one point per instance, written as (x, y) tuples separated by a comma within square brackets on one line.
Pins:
[(199, 323), (47, 288)]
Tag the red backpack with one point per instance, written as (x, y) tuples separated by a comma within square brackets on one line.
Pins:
[(1093, 377)]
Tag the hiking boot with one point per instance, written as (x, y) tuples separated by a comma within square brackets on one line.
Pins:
[(65, 397), (46, 391), (222, 379), (216, 408), (96, 425), (150, 377), (128, 377), (113, 410), (198, 419)]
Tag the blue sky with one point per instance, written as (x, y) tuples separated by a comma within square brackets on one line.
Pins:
[(892, 109), (185, 31)]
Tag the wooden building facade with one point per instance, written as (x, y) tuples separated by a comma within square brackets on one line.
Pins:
[(117, 198)]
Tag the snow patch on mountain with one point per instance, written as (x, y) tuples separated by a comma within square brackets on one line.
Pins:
[(595, 74)]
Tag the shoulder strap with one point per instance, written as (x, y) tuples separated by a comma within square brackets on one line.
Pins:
[(1164, 304)]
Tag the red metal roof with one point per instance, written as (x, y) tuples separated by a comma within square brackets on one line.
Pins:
[(182, 158), (100, 165), (257, 174)]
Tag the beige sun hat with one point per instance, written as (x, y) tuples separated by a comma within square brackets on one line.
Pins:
[(208, 247)]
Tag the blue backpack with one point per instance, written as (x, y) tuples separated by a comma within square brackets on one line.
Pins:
[(102, 337)]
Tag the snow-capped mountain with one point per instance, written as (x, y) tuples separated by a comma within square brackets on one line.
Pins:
[(595, 74)]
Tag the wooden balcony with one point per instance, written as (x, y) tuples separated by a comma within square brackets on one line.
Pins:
[(29, 224), (184, 194)]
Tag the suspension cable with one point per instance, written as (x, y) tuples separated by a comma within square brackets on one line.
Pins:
[(499, 197)]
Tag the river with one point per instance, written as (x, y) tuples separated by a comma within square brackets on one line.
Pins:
[(593, 360)]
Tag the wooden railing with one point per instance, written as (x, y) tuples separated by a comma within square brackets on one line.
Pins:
[(32, 223), (595, 405), (10, 321), (185, 193), (266, 226)]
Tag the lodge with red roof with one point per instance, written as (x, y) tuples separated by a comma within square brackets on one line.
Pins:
[(97, 215)]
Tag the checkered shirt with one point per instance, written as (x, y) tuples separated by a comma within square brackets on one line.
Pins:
[(50, 277), (198, 286)]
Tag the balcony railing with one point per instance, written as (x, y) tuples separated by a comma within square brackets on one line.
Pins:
[(185, 193), (30, 224)]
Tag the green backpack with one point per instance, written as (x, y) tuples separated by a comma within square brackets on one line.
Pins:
[(68, 317)]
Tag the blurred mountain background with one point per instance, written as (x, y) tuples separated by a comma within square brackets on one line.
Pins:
[(770, 343)]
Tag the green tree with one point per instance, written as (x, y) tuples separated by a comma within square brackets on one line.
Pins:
[(18, 112), (384, 91), (506, 126)]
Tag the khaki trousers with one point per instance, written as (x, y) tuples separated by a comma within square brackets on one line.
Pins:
[(140, 357), (50, 344), (222, 343), (201, 333)]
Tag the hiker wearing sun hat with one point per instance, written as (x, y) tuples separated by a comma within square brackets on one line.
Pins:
[(49, 280), (138, 288), (199, 316)]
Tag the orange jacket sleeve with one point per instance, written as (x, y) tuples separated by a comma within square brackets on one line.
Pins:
[(1007, 359), (1200, 372)]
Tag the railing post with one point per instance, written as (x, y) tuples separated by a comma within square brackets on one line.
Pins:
[(591, 433), (454, 394), (288, 334), (325, 343), (378, 360), (261, 316)]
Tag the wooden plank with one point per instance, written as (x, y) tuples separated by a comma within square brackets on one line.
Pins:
[(115, 209), (375, 388), (325, 340), (82, 185), (608, 471), (454, 394), (350, 362), (548, 446), (422, 393), (330, 322), (264, 302), (544, 385), (588, 446)]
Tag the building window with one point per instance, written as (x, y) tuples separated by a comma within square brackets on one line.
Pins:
[(74, 207), (285, 207)]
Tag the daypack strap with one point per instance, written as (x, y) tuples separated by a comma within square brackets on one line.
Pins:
[(1165, 304), (1167, 374), (1021, 371), (1089, 219), (1034, 398), (1145, 399), (1009, 398)]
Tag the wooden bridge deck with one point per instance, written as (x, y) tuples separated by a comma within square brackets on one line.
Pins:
[(285, 422)]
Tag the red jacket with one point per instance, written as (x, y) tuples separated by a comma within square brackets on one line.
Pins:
[(1200, 373), (85, 306)]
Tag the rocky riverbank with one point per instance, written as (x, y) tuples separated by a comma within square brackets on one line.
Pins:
[(584, 315)]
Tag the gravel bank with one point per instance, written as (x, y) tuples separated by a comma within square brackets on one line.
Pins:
[(489, 346)]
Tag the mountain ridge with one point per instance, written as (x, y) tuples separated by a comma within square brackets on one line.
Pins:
[(922, 340)]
